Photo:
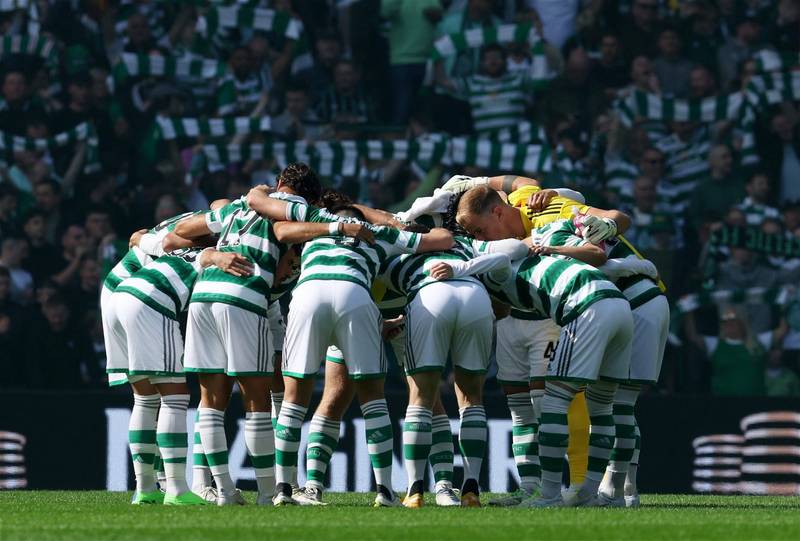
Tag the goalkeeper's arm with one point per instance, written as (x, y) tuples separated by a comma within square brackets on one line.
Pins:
[(622, 220)]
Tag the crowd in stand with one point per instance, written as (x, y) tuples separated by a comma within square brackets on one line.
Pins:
[(682, 113)]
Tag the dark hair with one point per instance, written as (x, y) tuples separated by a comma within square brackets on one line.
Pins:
[(52, 183), (328, 35), (96, 209), (35, 213), (350, 209), (493, 48), (302, 180), (4, 272), (330, 198), (296, 86)]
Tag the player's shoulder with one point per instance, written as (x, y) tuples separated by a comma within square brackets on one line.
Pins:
[(520, 196)]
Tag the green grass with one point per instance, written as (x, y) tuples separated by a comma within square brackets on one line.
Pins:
[(28, 515)]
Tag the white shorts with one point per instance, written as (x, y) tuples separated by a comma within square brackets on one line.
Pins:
[(398, 345), (325, 312), (225, 339), (452, 317), (524, 347), (116, 350), (595, 345), (150, 340), (650, 333)]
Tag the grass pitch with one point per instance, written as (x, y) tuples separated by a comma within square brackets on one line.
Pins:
[(29, 515)]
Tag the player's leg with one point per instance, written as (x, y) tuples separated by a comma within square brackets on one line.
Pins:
[(578, 449), (142, 439), (470, 349), (258, 433), (276, 389), (173, 440), (441, 456), (309, 331), (631, 490), (202, 481), (380, 438), (609, 328), (613, 485), (430, 321), (323, 434), (513, 339)]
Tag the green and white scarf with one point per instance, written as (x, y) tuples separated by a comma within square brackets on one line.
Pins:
[(13, 5), (639, 104), (344, 157), (768, 61), (771, 88), (239, 16), (452, 44), (755, 240), (33, 45), (776, 296), (140, 65), (10, 143), (174, 128)]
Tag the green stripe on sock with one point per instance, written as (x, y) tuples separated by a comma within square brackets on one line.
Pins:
[(141, 436), (217, 459), (263, 461), (171, 440)]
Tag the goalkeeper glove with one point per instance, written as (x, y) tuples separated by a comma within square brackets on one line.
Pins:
[(596, 229), (461, 183)]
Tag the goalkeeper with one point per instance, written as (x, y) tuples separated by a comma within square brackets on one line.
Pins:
[(530, 207)]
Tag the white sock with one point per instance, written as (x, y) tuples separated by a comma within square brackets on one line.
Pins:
[(212, 433), (173, 442), (142, 440), (323, 438), (523, 440), (260, 441), (201, 474), (417, 440), (287, 441), (277, 402), (380, 440)]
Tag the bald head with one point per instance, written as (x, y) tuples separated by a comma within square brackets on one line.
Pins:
[(483, 214)]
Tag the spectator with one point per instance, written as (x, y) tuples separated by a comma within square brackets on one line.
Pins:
[(139, 39), (737, 49), (40, 252), (670, 67), (49, 202), (610, 71), (13, 252), (74, 245), (642, 75), (756, 206), (98, 227), (298, 122), (245, 91), (17, 107), (328, 49), (779, 379), (557, 19), (702, 37), (345, 102), (497, 99), (31, 166), (477, 13), (78, 105), (84, 298), (721, 190), (737, 356), (8, 209), (638, 34), (782, 33), (702, 83), (60, 354), (782, 156), (411, 32), (573, 94)]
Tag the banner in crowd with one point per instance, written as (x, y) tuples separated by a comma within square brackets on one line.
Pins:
[(174, 128), (13, 5), (768, 60), (772, 88), (33, 45), (640, 104), (96, 425), (84, 131)]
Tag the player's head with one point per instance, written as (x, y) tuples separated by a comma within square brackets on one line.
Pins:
[(288, 265), (485, 216), (332, 199), (300, 179), (348, 211)]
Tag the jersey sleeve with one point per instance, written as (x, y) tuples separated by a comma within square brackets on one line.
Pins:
[(396, 241), (519, 197), (215, 219)]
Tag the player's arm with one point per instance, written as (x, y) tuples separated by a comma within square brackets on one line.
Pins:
[(622, 220), (379, 217), (300, 232), (438, 240), (617, 268), (586, 252), (478, 265), (193, 227), (513, 248), (230, 262), (268, 207), (505, 183)]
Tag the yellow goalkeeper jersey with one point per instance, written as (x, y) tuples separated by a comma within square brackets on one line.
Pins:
[(559, 208)]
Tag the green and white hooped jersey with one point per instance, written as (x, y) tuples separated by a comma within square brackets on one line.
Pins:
[(409, 273), (638, 289), (349, 260), (558, 233), (135, 258), (166, 284), (562, 288), (244, 231)]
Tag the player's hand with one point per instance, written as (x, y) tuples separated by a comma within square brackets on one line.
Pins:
[(441, 271), (358, 231), (136, 237), (233, 263), (461, 183), (539, 249), (596, 229), (538, 201), (392, 327)]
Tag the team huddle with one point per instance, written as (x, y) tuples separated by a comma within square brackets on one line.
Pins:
[(578, 317)]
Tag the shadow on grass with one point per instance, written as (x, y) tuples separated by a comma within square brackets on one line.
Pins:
[(780, 506)]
